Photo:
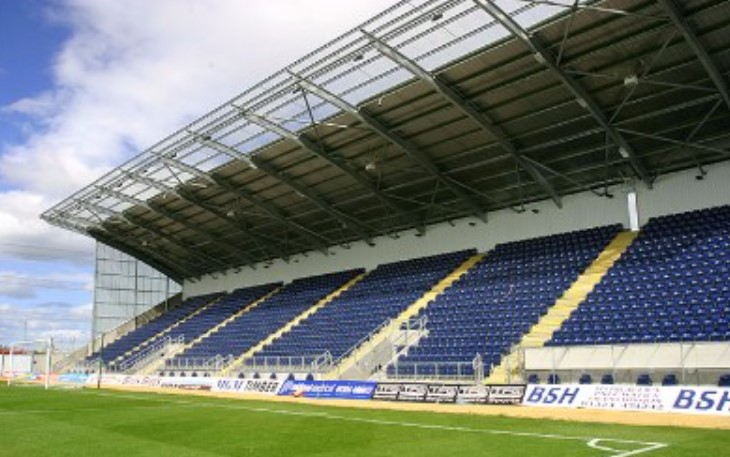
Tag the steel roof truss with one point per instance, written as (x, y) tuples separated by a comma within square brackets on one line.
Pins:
[(544, 56), (349, 222), (384, 132), (468, 108), (138, 222), (181, 194), (320, 151), (317, 241), (690, 36), (147, 255), (207, 177)]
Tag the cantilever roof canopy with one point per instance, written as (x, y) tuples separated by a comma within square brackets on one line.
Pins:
[(432, 110)]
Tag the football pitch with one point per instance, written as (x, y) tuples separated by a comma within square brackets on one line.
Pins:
[(35, 422)]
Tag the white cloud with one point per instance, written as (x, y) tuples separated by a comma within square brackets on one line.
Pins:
[(51, 320), (23, 235), (18, 285)]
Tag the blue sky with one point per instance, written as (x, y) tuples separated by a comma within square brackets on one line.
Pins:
[(85, 84)]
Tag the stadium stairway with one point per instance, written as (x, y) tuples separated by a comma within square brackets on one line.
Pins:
[(294, 322), (153, 367), (167, 330), (549, 323), (349, 363)]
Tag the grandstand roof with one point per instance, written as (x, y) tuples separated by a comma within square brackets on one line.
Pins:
[(431, 111)]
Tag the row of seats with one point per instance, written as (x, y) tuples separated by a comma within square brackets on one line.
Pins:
[(496, 302), (381, 296), (672, 284), (643, 379), (269, 316), (131, 341)]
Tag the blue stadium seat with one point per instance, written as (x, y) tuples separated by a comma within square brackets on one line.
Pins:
[(724, 380), (670, 285), (131, 341), (379, 297), (490, 308), (265, 318)]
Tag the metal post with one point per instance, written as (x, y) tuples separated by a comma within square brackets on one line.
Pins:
[(681, 355), (613, 365), (167, 293), (49, 345), (12, 350), (101, 362)]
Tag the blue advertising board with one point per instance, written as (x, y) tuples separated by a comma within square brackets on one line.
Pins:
[(78, 378), (354, 390)]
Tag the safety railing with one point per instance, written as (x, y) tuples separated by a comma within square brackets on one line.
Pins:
[(317, 363), (144, 356), (406, 332), (206, 364), (472, 372)]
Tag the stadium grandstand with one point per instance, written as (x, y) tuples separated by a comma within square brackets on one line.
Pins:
[(457, 191)]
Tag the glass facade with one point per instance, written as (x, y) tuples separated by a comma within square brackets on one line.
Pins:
[(125, 287)]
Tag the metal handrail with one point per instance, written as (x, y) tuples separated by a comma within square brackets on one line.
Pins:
[(142, 357)]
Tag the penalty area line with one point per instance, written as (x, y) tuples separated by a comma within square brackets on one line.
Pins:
[(601, 444)]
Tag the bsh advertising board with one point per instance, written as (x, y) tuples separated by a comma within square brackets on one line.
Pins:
[(677, 399)]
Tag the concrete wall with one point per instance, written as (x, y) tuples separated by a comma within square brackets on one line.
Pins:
[(667, 356), (673, 193)]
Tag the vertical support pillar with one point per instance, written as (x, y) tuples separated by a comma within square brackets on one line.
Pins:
[(633, 208)]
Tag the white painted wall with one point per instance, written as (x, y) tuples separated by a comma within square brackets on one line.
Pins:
[(20, 364), (669, 356), (673, 193)]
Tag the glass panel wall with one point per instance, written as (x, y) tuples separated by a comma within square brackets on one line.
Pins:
[(125, 287)]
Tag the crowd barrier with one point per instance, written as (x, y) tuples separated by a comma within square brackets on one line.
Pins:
[(674, 399)]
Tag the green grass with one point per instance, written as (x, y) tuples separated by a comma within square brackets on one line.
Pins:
[(77, 423)]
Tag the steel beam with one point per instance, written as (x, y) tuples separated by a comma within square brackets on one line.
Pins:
[(381, 129), (346, 221), (115, 232), (210, 179), (690, 36), (543, 55), (685, 144), (176, 218), (469, 109), (262, 240), (193, 200), (317, 241), (320, 151), (144, 225), (174, 270)]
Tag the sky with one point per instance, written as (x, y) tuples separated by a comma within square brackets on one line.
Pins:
[(86, 84)]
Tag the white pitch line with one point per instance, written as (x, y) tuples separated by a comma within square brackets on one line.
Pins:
[(650, 447), (50, 411), (591, 442)]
